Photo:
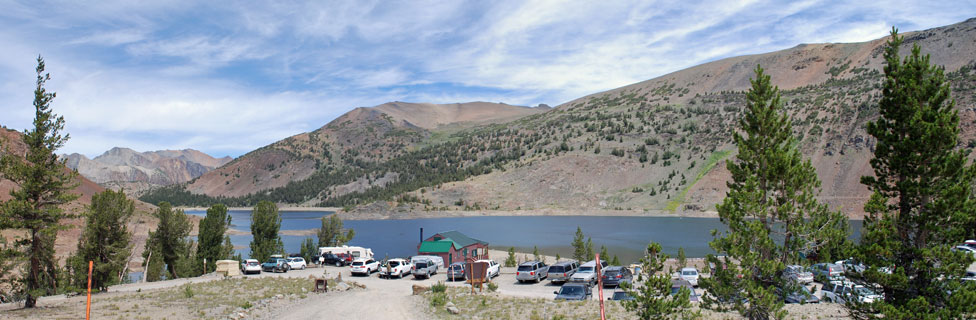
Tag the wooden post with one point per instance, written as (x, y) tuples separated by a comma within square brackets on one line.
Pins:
[(599, 283), (88, 307)]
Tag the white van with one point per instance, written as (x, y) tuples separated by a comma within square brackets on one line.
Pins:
[(356, 252), (436, 259)]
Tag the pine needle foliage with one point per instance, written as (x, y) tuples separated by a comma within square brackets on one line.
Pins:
[(770, 210), (922, 202)]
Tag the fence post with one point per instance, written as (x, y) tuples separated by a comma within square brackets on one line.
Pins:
[(88, 305)]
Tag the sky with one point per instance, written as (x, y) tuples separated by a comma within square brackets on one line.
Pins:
[(227, 77)]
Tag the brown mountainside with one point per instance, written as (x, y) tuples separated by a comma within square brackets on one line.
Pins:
[(67, 241), (658, 145), (380, 132)]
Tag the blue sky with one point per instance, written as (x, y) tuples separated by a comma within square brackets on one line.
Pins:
[(227, 77)]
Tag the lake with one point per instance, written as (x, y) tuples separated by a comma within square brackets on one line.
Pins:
[(625, 237)]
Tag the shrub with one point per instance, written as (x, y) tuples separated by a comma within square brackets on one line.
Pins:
[(492, 287), (439, 287), (438, 299)]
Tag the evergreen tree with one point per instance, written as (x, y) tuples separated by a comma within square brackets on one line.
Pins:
[(652, 298), (43, 185), (770, 210), (682, 259), (168, 243), (589, 249), (105, 240), (535, 253), (579, 247), (922, 201), (510, 261), (603, 253), (331, 233), (615, 261), (211, 238), (309, 251), (265, 224)]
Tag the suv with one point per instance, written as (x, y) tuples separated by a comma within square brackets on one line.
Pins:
[(494, 269), (562, 271), (423, 268), (616, 275), (251, 265), (276, 265), (825, 271), (587, 272), (395, 267), (533, 271), (297, 263), (455, 271), (364, 266), (796, 273), (328, 258), (691, 275)]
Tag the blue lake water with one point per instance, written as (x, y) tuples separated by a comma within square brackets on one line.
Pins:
[(625, 237)]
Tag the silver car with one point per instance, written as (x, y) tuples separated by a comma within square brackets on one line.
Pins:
[(798, 274), (533, 271), (561, 272)]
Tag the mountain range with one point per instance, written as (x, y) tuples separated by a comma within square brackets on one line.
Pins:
[(659, 145), (136, 172)]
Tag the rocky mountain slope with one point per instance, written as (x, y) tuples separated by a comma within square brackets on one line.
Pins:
[(658, 145), (67, 241), (138, 171)]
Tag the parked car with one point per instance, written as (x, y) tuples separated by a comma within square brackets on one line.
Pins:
[(691, 275), (797, 274), (436, 259), (332, 259), (297, 263), (455, 271), (676, 286), (966, 249), (846, 292), (823, 272), (587, 272), (970, 243), (801, 294), (533, 271), (620, 295), (251, 266), (616, 275), (423, 268), (494, 269), (562, 271), (851, 265), (573, 291), (395, 268), (346, 258), (364, 266), (275, 265), (970, 276)]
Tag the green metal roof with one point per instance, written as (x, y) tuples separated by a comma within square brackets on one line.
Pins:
[(437, 246), (461, 239)]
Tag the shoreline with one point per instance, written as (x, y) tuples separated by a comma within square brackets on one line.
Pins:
[(406, 215), (308, 209)]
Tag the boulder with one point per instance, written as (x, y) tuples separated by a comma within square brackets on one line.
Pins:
[(342, 286), (228, 268), (419, 289)]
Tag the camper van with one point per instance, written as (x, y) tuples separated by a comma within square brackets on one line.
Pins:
[(356, 252)]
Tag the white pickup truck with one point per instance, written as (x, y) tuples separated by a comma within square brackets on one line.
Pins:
[(493, 268), (395, 268)]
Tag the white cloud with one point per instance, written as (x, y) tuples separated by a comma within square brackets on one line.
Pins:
[(230, 77)]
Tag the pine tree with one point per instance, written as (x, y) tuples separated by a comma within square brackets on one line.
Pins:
[(510, 261), (43, 185), (603, 253), (535, 253), (579, 247), (168, 244), (652, 298), (770, 210), (309, 251), (922, 201), (104, 240), (682, 259), (265, 224), (589, 249), (330, 233), (211, 238), (615, 261)]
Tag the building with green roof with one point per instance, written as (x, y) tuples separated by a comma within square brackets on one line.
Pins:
[(453, 246)]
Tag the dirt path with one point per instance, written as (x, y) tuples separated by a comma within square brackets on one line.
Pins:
[(369, 303)]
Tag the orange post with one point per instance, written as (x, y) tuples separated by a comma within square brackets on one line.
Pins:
[(88, 308), (599, 284)]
